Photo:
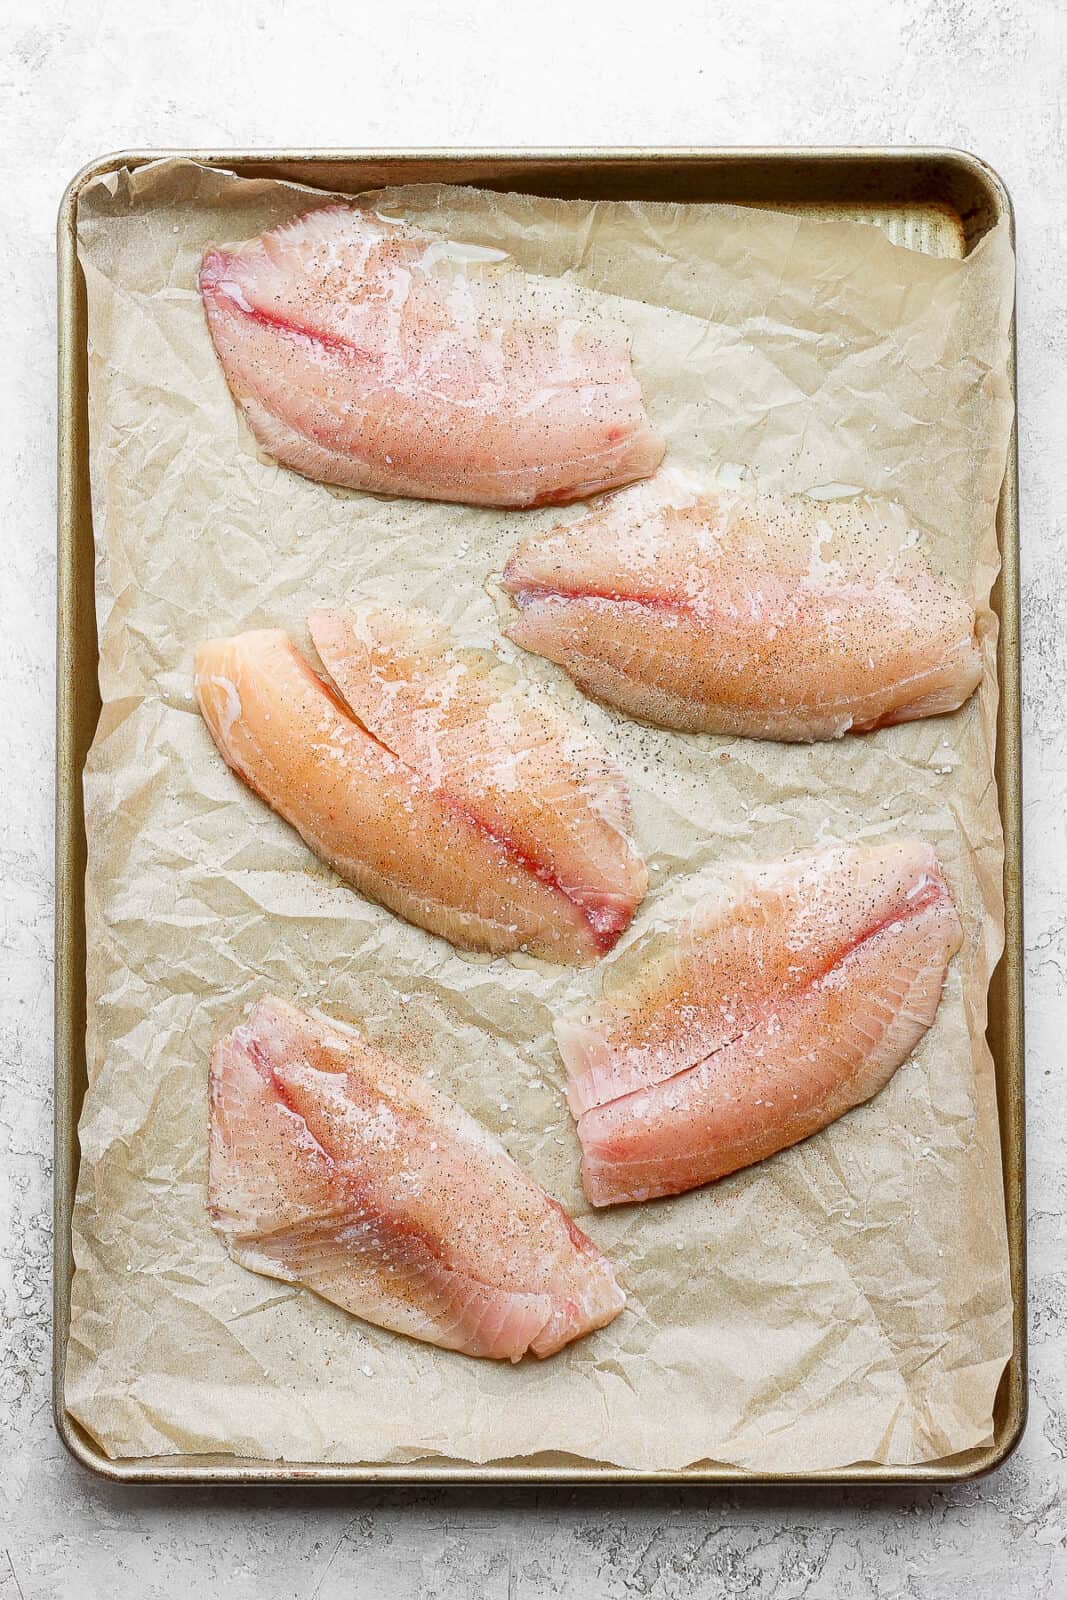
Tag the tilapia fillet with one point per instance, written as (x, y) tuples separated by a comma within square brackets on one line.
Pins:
[(777, 1006), (751, 614), (335, 1166), (367, 353), (413, 786)]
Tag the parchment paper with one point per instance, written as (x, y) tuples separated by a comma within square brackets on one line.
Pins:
[(847, 1300)]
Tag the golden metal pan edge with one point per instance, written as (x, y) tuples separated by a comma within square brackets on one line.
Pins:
[(834, 179)]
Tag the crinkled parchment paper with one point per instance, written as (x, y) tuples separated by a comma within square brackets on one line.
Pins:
[(847, 1300)]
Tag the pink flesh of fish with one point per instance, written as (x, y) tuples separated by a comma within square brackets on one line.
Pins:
[(778, 1006), (465, 720), (407, 832), (757, 615), (366, 353), (334, 1166)]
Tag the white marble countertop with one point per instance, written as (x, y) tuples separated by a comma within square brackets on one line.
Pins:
[(74, 82)]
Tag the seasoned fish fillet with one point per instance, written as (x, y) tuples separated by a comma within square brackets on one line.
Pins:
[(367, 353), (754, 614), (777, 1006), (404, 830), (531, 774), (335, 1166)]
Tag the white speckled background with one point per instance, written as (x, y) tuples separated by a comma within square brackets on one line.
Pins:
[(986, 74)]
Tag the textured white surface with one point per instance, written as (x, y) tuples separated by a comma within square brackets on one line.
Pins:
[(985, 74)]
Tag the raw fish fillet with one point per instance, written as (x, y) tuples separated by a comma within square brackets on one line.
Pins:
[(531, 774), (779, 1004), (367, 353), (754, 614), (404, 829), (334, 1166)]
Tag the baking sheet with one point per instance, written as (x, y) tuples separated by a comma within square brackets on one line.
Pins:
[(816, 353)]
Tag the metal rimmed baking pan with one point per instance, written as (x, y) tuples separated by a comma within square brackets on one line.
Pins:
[(939, 200)]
